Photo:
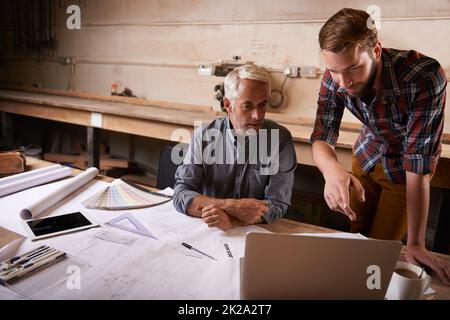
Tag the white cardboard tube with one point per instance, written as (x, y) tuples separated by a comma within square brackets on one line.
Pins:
[(63, 191), (32, 178), (19, 176)]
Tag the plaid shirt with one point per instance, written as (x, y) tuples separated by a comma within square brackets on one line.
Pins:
[(402, 126)]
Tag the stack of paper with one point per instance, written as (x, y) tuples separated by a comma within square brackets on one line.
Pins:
[(120, 195)]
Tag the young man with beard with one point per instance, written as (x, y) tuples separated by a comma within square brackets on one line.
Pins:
[(399, 96)]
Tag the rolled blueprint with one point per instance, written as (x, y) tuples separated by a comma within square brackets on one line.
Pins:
[(63, 191), (32, 178)]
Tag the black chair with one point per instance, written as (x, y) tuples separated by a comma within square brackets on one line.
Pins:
[(166, 168)]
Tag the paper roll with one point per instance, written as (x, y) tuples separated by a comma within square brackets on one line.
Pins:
[(63, 191), (32, 178)]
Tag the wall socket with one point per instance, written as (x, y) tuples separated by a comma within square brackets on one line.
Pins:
[(205, 70), (291, 71), (309, 72)]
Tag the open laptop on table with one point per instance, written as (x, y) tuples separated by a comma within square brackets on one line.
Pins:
[(282, 266)]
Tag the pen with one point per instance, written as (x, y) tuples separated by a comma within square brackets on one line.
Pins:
[(36, 256), (24, 264), (34, 266), (184, 244), (17, 260), (27, 254), (41, 258)]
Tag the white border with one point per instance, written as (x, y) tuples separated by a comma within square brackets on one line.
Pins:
[(33, 237)]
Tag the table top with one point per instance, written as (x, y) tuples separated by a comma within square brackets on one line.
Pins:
[(288, 226)]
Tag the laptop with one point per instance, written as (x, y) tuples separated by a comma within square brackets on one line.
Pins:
[(282, 266)]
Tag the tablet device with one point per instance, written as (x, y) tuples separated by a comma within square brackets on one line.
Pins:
[(53, 226)]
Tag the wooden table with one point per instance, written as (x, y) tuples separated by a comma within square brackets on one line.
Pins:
[(289, 226)]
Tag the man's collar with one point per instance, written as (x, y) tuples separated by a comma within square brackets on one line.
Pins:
[(389, 86), (229, 129)]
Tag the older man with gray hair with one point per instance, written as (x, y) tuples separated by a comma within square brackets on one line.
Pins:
[(239, 170)]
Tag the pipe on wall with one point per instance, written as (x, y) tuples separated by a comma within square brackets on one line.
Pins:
[(242, 22)]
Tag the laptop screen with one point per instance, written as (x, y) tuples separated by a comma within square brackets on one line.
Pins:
[(281, 266)]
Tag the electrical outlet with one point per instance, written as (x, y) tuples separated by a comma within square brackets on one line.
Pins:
[(291, 71), (309, 72), (205, 70)]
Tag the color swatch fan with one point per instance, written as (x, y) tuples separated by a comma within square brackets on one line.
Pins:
[(124, 195)]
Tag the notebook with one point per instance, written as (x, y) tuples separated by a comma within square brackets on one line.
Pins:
[(282, 266)]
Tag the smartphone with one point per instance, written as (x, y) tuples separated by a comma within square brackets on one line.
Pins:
[(57, 225)]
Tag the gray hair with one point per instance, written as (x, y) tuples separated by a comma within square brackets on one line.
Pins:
[(246, 71)]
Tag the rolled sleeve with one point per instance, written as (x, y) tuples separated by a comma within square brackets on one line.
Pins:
[(277, 210), (420, 164), (182, 198), (425, 126)]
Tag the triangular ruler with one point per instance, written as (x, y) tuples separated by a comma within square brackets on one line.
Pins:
[(138, 227)]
